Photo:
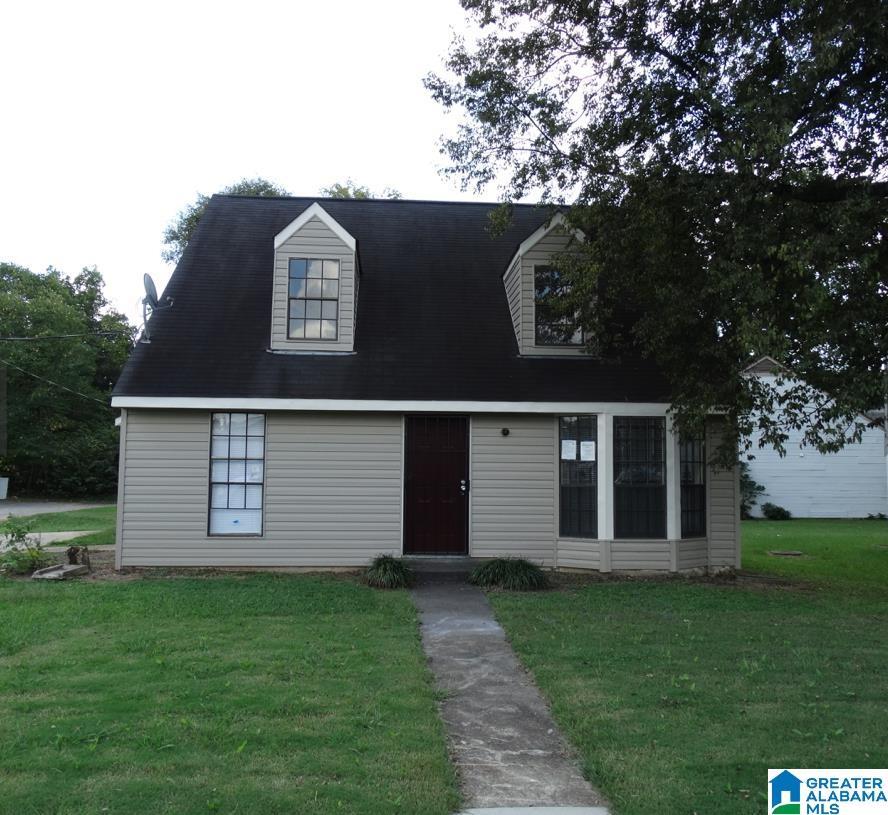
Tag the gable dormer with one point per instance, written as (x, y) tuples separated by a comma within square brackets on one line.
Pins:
[(314, 295), (531, 282)]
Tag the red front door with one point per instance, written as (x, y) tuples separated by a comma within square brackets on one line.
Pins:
[(436, 495)]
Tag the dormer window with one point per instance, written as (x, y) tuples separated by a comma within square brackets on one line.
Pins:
[(313, 310), (551, 325)]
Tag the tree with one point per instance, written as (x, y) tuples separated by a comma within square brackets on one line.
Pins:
[(352, 189), (180, 230), (727, 165), (61, 434)]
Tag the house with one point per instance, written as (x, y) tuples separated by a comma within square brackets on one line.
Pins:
[(851, 483), (338, 379)]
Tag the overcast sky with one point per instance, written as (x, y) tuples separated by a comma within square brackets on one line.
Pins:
[(115, 115)]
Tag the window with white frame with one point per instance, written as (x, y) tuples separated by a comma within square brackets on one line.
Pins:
[(313, 299), (552, 326), (237, 473)]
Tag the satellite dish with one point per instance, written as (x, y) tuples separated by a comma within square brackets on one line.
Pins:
[(150, 292), (150, 304)]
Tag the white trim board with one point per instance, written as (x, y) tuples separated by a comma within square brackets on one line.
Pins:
[(387, 405), (314, 211), (528, 243)]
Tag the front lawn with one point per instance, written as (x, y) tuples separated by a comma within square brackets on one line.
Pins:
[(241, 694), (847, 554), (679, 695)]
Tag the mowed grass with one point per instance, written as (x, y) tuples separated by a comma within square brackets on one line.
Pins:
[(679, 695), (851, 554), (241, 694)]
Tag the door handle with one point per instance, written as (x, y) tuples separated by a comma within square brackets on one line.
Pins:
[(463, 486)]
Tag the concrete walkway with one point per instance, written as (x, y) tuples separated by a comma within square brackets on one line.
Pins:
[(506, 747)]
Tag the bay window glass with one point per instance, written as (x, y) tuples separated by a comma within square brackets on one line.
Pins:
[(639, 477), (237, 473), (692, 461), (578, 474)]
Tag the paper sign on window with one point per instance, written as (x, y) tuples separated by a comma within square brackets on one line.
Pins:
[(587, 451), (568, 449)]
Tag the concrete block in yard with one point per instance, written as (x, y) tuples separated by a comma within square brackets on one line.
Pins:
[(60, 572)]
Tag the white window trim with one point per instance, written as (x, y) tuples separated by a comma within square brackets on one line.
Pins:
[(258, 405), (314, 211)]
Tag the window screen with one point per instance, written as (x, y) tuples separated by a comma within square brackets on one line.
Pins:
[(579, 476), (237, 473), (313, 305), (639, 477), (693, 488)]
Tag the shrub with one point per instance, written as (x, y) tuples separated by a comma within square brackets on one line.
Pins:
[(514, 574), (774, 513), (20, 553), (750, 490), (387, 572)]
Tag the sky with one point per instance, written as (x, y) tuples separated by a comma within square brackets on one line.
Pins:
[(116, 115)]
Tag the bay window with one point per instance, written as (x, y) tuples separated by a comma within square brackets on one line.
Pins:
[(578, 476), (692, 461), (639, 477)]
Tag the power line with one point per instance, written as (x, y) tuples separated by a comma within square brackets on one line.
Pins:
[(63, 336), (55, 384)]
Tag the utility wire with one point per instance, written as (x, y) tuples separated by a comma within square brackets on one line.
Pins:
[(63, 336), (55, 384)]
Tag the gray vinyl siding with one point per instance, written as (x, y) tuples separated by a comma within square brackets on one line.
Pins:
[(332, 491), (513, 496), (512, 283), (723, 500), (692, 554), (540, 254), (575, 553), (629, 555), (314, 240)]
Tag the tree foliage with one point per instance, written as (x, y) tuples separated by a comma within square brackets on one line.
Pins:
[(351, 189), (177, 235), (61, 438), (727, 165)]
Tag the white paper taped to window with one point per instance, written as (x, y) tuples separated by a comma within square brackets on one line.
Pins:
[(587, 451), (568, 449)]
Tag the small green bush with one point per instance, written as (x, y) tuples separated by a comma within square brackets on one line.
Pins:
[(774, 513), (19, 552), (514, 574), (387, 572)]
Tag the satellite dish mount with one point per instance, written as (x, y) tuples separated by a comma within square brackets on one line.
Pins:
[(150, 304)]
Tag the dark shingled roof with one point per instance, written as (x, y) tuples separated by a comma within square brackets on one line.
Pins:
[(432, 323)]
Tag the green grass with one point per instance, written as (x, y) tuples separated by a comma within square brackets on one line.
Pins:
[(679, 696), (242, 694), (97, 518), (852, 555)]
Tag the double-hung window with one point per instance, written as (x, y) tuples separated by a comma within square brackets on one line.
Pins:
[(578, 501), (639, 477), (237, 473), (552, 326), (313, 299), (692, 461)]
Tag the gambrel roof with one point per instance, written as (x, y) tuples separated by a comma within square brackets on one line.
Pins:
[(432, 319)]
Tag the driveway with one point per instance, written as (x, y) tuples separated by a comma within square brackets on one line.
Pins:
[(33, 506)]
